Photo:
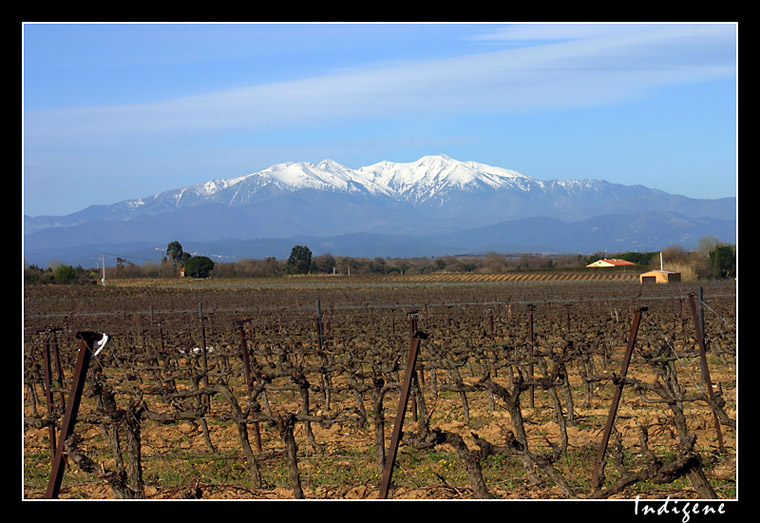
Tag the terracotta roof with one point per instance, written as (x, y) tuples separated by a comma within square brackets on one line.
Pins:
[(615, 261), (606, 262)]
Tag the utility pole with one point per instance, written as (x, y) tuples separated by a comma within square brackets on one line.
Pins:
[(103, 261)]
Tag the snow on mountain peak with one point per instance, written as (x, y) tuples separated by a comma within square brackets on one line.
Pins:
[(429, 175), (426, 178), (326, 175)]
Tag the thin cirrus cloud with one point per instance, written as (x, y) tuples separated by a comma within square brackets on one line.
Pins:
[(545, 67)]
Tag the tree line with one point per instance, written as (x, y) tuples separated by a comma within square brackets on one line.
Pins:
[(710, 259)]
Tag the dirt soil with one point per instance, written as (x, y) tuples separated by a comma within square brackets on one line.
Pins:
[(343, 443), (339, 440)]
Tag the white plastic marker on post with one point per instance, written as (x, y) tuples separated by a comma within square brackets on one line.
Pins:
[(99, 343)]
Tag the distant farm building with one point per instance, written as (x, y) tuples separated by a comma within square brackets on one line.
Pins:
[(660, 276), (611, 262)]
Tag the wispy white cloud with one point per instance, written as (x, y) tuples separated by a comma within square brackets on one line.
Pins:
[(696, 34), (563, 66)]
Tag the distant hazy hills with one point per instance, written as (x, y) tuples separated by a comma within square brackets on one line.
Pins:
[(431, 207)]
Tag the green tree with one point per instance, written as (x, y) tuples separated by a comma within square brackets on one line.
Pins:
[(299, 261), (176, 254), (64, 274), (639, 258), (198, 266), (723, 260)]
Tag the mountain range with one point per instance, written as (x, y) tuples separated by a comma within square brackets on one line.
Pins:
[(434, 206)]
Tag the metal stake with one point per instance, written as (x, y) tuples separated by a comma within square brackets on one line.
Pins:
[(531, 391), (204, 359), (414, 345), (72, 408), (705, 370), (58, 368), (595, 481), (248, 378), (49, 396)]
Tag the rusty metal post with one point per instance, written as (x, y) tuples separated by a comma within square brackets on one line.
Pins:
[(413, 397), (58, 368), (701, 309), (321, 342), (246, 356), (595, 480), (248, 378), (414, 345), (705, 369), (320, 327), (49, 395), (72, 409), (531, 391), (204, 359), (161, 339)]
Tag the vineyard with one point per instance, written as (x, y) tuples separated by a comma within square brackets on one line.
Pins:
[(399, 388), (525, 276)]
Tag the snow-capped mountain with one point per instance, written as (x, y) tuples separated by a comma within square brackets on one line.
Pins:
[(408, 181), (435, 196), (429, 178), (328, 175), (432, 181), (432, 177)]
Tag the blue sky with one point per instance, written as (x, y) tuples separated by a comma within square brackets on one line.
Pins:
[(120, 111)]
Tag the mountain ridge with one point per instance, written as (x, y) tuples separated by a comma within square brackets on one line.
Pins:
[(433, 198)]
